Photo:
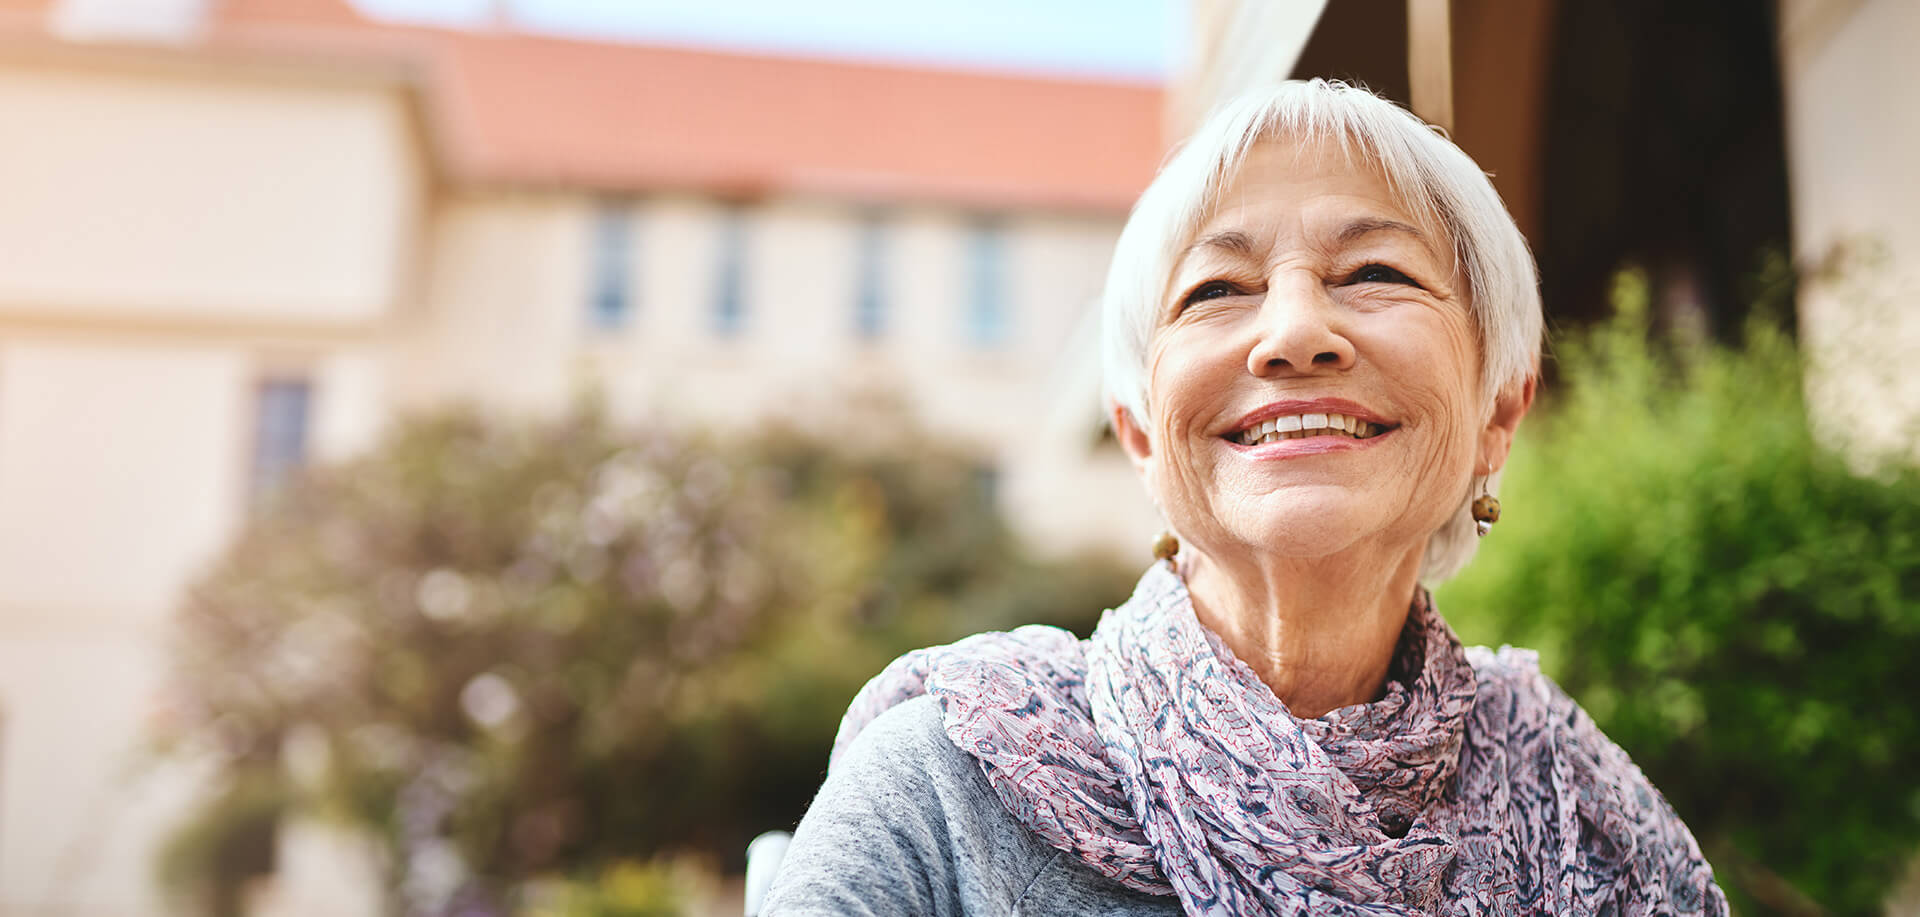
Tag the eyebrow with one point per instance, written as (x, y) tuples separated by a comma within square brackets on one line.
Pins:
[(1232, 242), (1358, 228), (1240, 245)]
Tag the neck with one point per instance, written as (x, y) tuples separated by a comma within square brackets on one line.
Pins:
[(1319, 632)]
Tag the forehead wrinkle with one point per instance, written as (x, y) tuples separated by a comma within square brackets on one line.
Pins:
[(1230, 242)]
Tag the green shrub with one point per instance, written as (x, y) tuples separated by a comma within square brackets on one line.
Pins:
[(621, 889), (1734, 606)]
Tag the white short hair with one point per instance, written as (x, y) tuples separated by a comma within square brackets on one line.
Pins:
[(1433, 177)]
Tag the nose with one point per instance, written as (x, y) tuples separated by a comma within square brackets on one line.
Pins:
[(1299, 330)]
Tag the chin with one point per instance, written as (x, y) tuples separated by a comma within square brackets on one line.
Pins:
[(1301, 528)]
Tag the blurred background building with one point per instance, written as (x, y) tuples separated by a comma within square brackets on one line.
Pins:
[(238, 236), (241, 236)]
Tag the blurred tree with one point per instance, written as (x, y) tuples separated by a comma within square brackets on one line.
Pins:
[(1734, 606), (514, 650)]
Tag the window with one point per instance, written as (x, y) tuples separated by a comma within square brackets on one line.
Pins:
[(729, 303), (985, 480), (280, 416), (986, 314), (611, 284), (870, 290)]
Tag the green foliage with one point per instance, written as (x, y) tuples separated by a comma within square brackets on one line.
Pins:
[(229, 837), (623, 889), (1734, 606), (549, 647)]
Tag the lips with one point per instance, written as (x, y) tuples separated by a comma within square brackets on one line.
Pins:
[(1302, 419), (1302, 426)]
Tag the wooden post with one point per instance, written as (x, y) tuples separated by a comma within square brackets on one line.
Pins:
[(1430, 60)]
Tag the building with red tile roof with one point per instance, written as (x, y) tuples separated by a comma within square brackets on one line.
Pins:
[(543, 111), (243, 235)]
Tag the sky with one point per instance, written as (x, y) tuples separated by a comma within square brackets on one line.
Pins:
[(1124, 40)]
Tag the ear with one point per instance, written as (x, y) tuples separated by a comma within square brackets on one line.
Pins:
[(1496, 439), (1133, 439)]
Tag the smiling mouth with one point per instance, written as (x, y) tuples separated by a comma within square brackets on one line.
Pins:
[(1302, 426)]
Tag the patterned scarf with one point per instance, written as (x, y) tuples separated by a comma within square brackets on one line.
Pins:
[(1161, 761)]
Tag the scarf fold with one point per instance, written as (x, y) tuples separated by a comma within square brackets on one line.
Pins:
[(1164, 763)]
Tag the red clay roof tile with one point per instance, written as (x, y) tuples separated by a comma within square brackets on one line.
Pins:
[(524, 109)]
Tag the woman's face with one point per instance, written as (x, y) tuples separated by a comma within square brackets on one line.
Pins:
[(1313, 385)]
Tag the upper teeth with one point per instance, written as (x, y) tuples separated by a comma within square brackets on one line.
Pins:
[(1295, 426)]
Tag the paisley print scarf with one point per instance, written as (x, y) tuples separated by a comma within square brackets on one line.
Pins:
[(1474, 786)]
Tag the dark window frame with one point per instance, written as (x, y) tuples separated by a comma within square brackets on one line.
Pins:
[(611, 300), (871, 259), (283, 414), (729, 307), (987, 314)]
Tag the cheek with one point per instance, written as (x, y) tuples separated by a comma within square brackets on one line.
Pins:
[(1184, 391), (1181, 391), (1436, 371)]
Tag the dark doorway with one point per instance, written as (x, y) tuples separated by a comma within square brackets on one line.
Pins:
[(1663, 148), (1628, 132)]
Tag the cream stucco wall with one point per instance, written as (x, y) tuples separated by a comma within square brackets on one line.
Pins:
[(122, 463), (110, 501), (507, 325), (99, 443), (1852, 94), (123, 466), (498, 323), (169, 237), (144, 192)]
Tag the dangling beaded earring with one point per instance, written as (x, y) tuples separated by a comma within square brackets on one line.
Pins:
[(1486, 509), (1165, 546)]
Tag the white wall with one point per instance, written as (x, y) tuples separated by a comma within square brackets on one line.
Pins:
[(166, 242), (1853, 138), (117, 468), (155, 193), (508, 325), (798, 356), (121, 469), (504, 291), (124, 465)]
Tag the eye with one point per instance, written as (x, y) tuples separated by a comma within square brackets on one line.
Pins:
[(1212, 289), (1380, 273)]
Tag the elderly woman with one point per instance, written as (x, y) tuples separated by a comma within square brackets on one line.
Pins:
[(1321, 329)]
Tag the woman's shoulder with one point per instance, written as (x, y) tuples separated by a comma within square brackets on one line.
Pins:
[(1529, 738), (907, 822), (1519, 705), (984, 669), (908, 739), (1522, 706), (1544, 733), (1509, 667)]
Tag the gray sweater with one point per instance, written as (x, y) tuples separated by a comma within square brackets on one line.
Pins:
[(908, 824)]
